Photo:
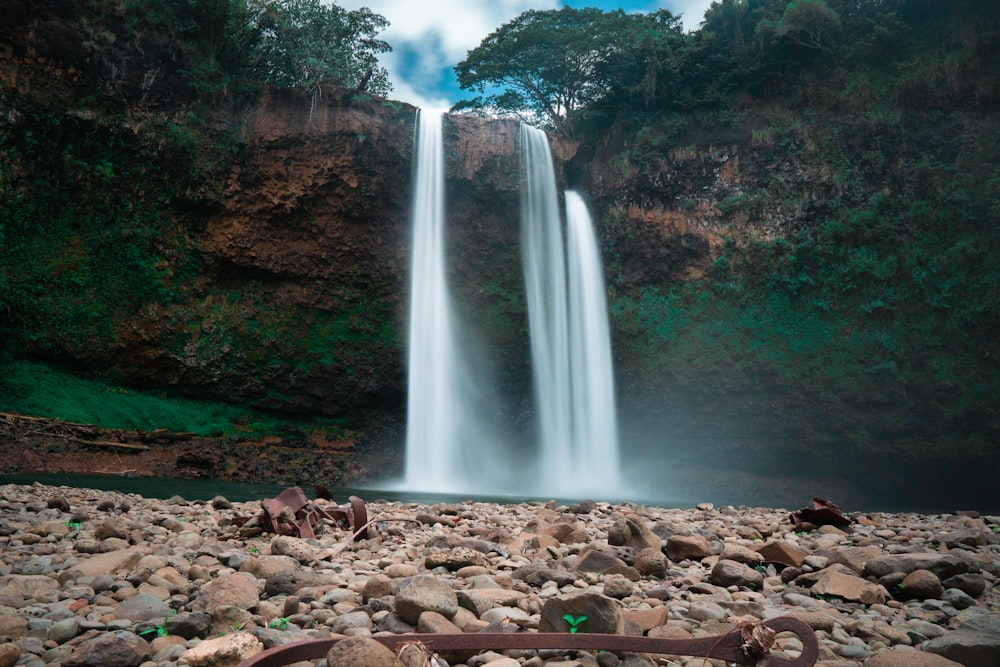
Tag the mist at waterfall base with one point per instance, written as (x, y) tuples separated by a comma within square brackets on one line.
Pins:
[(454, 441)]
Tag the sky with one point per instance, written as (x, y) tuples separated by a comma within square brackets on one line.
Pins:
[(429, 37)]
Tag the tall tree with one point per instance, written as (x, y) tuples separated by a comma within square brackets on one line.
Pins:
[(544, 66), (308, 43)]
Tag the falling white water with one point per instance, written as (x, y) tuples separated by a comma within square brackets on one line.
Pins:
[(431, 420), (595, 420), (570, 345), (542, 255)]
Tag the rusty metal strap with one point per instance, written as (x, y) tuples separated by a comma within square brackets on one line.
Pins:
[(729, 647)]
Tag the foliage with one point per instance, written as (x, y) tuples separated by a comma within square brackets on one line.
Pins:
[(550, 64), (310, 44)]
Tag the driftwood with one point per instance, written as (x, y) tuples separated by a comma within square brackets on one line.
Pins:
[(85, 434), (108, 443)]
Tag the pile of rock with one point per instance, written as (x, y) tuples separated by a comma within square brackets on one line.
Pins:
[(94, 578)]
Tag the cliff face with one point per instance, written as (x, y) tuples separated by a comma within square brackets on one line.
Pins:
[(785, 291)]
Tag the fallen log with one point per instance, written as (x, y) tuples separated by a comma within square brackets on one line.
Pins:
[(108, 443)]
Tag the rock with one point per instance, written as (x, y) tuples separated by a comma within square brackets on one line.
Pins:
[(943, 565), (603, 561), (425, 593), (687, 547), (731, 573), (957, 598), (113, 649), (288, 582), (651, 563), (617, 586), (109, 562), (13, 626), (263, 567), (431, 622), (226, 651), (377, 586), (361, 652), (189, 624), (293, 547), (25, 586), (632, 531), (847, 586), (221, 503), (58, 503), (904, 656), (64, 630), (454, 559), (782, 553), (111, 528), (566, 533), (741, 554), (603, 614), (9, 654), (536, 574), (975, 643), (972, 584), (142, 607), (920, 585), (353, 619), (237, 589)]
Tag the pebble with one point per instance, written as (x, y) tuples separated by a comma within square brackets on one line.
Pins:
[(90, 576)]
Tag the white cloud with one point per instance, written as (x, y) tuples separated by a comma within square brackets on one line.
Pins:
[(691, 11), (429, 38)]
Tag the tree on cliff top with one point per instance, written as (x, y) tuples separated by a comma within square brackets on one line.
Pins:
[(307, 43), (544, 66)]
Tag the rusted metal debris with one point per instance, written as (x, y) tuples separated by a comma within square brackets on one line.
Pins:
[(291, 513), (750, 644), (822, 513)]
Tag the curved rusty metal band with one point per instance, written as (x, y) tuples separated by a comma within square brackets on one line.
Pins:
[(724, 647)]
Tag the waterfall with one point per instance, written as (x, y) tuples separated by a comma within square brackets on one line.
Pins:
[(570, 344), (433, 399), (595, 420), (543, 256)]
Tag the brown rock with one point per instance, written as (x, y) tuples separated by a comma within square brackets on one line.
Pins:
[(9, 654), (596, 559), (651, 563), (782, 553), (849, 587), (236, 589), (741, 554), (647, 619), (687, 547), (361, 652), (904, 656), (920, 585), (603, 615), (425, 593), (454, 559)]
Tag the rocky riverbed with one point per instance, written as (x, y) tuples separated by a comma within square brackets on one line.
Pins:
[(103, 579)]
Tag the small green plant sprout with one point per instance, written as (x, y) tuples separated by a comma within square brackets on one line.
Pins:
[(253, 549), (995, 529), (574, 622), (161, 629), (278, 623), (75, 525)]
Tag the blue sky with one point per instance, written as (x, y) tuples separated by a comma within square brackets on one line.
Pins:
[(429, 37)]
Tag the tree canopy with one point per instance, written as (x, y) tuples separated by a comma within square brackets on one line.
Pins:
[(308, 43), (544, 65)]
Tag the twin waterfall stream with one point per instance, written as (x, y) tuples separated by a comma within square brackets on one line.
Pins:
[(447, 448)]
